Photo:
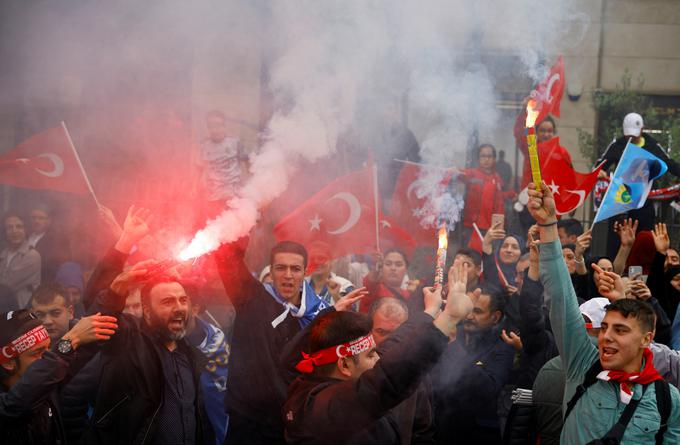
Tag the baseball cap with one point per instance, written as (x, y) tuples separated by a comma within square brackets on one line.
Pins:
[(632, 124), (594, 310)]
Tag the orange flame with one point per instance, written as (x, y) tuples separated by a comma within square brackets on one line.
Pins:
[(443, 238), (532, 113)]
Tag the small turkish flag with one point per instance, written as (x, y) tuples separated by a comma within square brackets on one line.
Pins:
[(337, 220), (569, 187), (548, 93), (44, 161), (393, 235), (476, 239), (409, 201)]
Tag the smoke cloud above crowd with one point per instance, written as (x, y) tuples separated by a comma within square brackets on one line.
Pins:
[(332, 68)]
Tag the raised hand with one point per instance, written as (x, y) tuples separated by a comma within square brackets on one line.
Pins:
[(458, 304), (626, 230), (91, 329), (512, 339), (106, 215), (432, 298), (661, 240), (609, 284), (541, 204), (583, 243), (345, 303), (135, 227), (132, 277)]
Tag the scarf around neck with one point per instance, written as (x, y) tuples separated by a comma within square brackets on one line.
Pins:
[(626, 381), (310, 305)]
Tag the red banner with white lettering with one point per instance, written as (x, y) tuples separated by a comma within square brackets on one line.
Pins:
[(44, 161)]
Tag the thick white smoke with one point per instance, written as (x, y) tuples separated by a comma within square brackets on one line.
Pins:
[(334, 61)]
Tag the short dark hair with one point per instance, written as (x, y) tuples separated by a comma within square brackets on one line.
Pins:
[(336, 328), (289, 247), (569, 246), (155, 281), (215, 114), (380, 302), (548, 119), (46, 293), (473, 254), (570, 226), (493, 149), (399, 251), (497, 299), (641, 310), (501, 154)]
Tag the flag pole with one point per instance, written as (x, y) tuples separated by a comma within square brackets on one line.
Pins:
[(80, 164), (375, 204), (610, 183)]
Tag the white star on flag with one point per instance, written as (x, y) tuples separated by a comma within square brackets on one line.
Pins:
[(554, 188), (315, 223)]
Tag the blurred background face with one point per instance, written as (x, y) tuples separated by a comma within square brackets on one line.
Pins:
[(481, 317), (386, 320), (394, 269), (473, 269), (40, 221), (15, 231), (55, 316), (675, 282), (288, 272), (570, 259), (606, 265), (133, 304), (217, 130), (487, 161), (168, 310), (545, 131), (672, 259), (510, 251)]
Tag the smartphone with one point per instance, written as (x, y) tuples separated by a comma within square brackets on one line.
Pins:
[(498, 220), (634, 272)]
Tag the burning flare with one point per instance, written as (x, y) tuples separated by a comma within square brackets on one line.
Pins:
[(441, 256), (532, 114)]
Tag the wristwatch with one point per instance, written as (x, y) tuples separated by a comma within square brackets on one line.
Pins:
[(64, 346)]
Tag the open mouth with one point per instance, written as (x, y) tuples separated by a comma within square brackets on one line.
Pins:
[(176, 323), (608, 353)]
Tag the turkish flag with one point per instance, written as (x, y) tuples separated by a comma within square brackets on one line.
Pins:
[(570, 188), (393, 235), (409, 203), (476, 239), (548, 93), (44, 161), (337, 220)]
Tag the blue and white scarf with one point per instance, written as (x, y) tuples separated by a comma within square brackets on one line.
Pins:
[(310, 305)]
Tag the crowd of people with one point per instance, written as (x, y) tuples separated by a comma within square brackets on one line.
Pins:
[(530, 339)]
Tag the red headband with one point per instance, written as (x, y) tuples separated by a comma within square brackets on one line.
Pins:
[(23, 343), (332, 354)]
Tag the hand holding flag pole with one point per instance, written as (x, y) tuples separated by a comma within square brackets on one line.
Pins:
[(80, 165)]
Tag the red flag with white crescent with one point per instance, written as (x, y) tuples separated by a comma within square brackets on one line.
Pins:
[(44, 161), (570, 188), (548, 93), (337, 220)]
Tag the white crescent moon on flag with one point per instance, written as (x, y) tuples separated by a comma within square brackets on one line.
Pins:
[(354, 212), (548, 91), (581, 197), (58, 169)]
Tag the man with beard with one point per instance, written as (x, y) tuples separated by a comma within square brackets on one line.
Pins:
[(149, 390), (471, 373)]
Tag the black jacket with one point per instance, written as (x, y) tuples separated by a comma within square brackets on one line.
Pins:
[(612, 155), (257, 383), (28, 411), (131, 388), (322, 410), (54, 249), (467, 381)]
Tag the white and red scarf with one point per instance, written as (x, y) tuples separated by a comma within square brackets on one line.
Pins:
[(626, 381)]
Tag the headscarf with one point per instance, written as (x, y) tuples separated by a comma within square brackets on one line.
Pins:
[(510, 269)]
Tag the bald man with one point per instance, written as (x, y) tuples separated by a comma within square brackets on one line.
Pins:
[(387, 314)]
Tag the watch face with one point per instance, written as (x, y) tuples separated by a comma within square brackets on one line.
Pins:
[(64, 346)]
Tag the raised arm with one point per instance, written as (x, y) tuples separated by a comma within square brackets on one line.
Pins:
[(239, 283), (135, 227), (566, 321), (626, 230)]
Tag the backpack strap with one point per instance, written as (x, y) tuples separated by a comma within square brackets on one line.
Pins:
[(588, 381), (664, 404), (615, 434)]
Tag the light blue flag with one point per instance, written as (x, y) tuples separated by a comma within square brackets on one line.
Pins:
[(631, 183)]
